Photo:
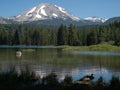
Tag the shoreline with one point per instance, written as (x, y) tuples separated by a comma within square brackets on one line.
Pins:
[(98, 47)]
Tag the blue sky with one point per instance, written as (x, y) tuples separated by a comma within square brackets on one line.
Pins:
[(79, 8)]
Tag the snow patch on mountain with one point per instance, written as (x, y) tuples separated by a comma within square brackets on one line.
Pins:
[(42, 10), (18, 16), (30, 12), (61, 9), (104, 20), (38, 16), (68, 14), (95, 19), (55, 15)]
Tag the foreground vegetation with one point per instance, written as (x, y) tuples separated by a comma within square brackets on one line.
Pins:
[(98, 47), (27, 80)]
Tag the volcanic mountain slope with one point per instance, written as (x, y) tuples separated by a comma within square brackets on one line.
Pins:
[(44, 11)]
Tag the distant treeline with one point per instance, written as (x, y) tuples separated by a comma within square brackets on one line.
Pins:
[(27, 80), (26, 34)]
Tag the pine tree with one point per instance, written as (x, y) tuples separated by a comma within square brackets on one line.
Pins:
[(16, 38), (62, 36), (72, 37), (92, 38)]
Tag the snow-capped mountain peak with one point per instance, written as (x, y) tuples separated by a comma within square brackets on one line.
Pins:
[(95, 19), (44, 11)]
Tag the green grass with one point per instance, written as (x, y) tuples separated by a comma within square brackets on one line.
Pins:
[(98, 47), (28, 50)]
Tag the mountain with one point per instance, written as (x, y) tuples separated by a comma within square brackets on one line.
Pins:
[(44, 11), (49, 14), (95, 19), (114, 19), (7, 21), (3, 20)]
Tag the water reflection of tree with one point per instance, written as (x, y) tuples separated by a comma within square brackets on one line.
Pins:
[(100, 66), (59, 53)]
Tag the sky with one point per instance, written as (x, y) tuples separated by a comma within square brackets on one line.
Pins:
[(80, 8)]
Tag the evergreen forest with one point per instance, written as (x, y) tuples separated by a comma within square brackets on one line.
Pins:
[(72, 35)]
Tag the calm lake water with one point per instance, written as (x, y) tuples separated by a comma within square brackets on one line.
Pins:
[(44, 60)]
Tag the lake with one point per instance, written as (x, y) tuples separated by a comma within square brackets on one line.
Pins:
[(46, 59)]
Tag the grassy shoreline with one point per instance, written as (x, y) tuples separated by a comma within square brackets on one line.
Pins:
[(98, 47)]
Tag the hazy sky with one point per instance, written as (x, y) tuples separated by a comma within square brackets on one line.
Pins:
[(79, 8)]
